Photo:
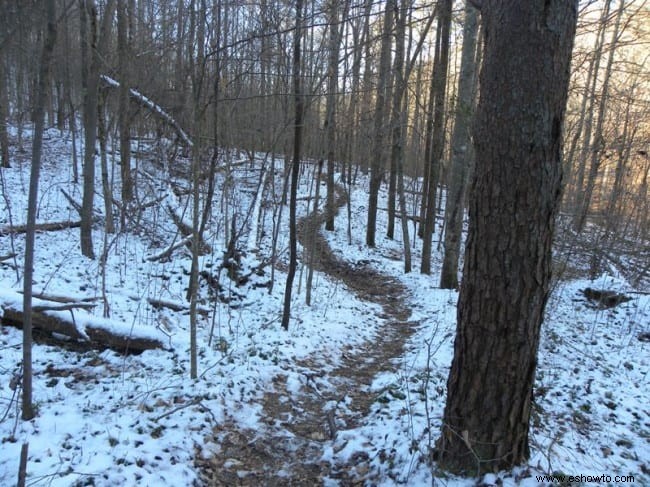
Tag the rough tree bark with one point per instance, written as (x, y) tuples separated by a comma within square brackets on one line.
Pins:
[(516, 188)]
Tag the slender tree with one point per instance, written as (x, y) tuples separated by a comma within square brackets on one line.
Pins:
[(330, 111), (295, 165), (4, 114), (461, 152), (377, 156), (37, 146), (434, 159), (90, 81), (124, 117), (513, 203)]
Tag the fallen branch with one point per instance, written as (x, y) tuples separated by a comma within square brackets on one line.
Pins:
[(72, 201), (193, 402), (186, 231), (165, 254), (96, 218), (145, 102), (178, 307)]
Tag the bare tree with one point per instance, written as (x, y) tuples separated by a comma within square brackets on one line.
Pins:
[(4, 114), (461, 151), (596, 146), (295, 165), (37, 146), (377, 155), (90, 81), (330, 112), (124, 112), (433, 157)]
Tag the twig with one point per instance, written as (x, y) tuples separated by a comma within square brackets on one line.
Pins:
[(193, 402)]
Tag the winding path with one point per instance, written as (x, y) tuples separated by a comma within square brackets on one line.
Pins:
[(300, 426)]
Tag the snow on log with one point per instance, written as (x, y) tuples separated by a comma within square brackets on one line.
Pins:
[(153, 107), (78, 324)]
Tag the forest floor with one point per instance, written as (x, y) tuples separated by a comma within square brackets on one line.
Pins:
[(354, 391)]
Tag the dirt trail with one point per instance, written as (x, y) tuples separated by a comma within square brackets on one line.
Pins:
[(299, 426)]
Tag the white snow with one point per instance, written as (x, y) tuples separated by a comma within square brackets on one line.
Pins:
[(106, 419)]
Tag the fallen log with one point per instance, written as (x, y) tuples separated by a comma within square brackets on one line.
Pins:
[(79, 325), (605, 298), (40, 227), (95, 336)]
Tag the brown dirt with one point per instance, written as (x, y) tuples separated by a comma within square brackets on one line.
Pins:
[(288, 450)]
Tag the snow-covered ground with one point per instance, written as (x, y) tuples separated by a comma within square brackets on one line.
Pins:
[(108, 419)]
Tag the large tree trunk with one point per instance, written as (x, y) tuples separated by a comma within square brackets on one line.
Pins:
[(516, 188), (461, 152)]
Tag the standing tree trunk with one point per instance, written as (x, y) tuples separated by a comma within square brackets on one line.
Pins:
[(438, 92), (363, 153), (461, 152), (4, 114), (123, 110), (90, 81), (376, 162), (398, 119), (198, 76), (106, 179), (102, 135), (330, 111), (39, 122), (516, 189), (295, 166)]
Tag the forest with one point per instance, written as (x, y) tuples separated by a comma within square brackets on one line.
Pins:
[(324, 242)]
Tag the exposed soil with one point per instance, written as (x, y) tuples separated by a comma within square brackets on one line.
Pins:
[(288, 450)]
